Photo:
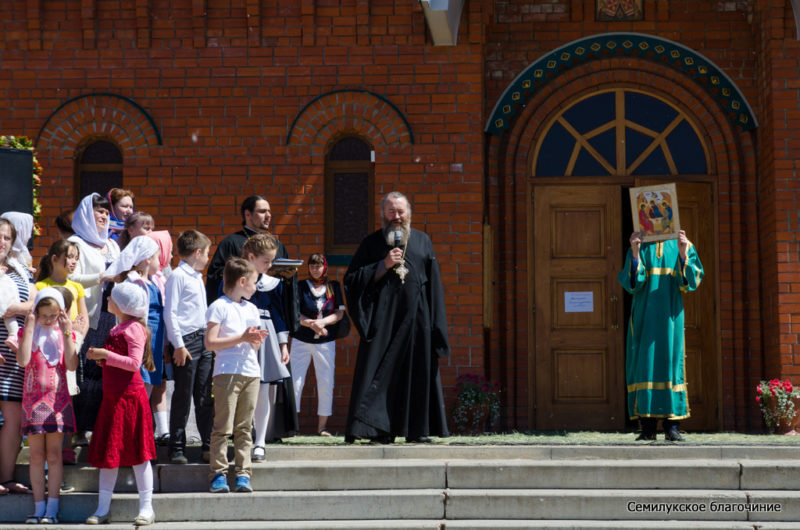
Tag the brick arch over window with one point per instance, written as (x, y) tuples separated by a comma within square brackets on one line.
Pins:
[(110, 115), (732, 160), (354, 111)]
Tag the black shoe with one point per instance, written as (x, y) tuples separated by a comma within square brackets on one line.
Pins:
[(649, 428), (177, 457), (419, 440), (163, 440), (382, 440), (672, 435)]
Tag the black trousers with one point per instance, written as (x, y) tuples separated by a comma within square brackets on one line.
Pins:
[(192, 382)]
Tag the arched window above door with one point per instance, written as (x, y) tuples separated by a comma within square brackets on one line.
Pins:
[(619, 132)]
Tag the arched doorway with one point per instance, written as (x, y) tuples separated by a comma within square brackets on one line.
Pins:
[(586, 155)]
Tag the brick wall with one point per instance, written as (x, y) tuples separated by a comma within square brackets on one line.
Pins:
[(223, 81), (779, 148)]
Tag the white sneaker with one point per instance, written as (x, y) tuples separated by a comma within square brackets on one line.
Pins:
[(259, 453)]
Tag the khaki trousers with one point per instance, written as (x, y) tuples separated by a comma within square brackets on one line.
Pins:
[(235, 399)]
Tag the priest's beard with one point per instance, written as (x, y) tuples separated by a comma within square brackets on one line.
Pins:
[(396, 233)]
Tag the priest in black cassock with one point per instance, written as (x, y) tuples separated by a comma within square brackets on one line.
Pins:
[(395, 299)]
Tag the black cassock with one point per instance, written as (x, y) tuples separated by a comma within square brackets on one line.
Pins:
[(396, 386)]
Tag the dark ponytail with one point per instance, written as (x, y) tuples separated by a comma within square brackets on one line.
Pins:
[(56, 250)]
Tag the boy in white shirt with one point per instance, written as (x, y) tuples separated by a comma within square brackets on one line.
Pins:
[(184, 317), (232, 331)]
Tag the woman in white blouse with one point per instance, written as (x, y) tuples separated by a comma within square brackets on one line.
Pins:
[(97, 252)]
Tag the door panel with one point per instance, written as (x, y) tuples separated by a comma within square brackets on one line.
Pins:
[(702, 360), (578, 351)]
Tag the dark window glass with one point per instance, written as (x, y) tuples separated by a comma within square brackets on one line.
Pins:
[(349, 196), (101, 153), (648, 111), (555, 152), (692, 159), (591, 113), (99, 169), (350, 148), (350, 217)]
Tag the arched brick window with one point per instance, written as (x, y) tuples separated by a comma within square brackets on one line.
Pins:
[(98, 167), (349, 195)]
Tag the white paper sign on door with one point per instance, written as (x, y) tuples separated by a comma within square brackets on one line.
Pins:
[(579, 302)]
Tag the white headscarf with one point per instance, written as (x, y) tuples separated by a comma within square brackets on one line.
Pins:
[(84, 224), (48, 340), (139, 249), (132, 298), (23, 223)]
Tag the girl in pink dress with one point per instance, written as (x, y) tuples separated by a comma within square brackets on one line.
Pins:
[(46, 351), (123, 434)]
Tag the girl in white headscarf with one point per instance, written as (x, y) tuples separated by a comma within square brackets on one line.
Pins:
[(47, 351), (97, 252), (23, 223), (124, 433)]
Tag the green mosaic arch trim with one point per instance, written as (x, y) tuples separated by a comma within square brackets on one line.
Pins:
[(647, 47)]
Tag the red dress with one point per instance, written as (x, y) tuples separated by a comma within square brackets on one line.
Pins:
[(123, 434), (46, 405)]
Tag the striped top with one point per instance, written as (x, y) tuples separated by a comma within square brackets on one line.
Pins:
[(11, 374)]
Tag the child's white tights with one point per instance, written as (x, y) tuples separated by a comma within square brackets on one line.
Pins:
[(264, 417), (144, 483)]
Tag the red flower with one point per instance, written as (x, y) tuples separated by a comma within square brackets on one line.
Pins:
[(758, 399), (759, 391)]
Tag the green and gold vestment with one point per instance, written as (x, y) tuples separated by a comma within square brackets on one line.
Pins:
[(655, 358)]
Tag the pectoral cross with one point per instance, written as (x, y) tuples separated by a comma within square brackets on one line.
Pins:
[(402, 271)]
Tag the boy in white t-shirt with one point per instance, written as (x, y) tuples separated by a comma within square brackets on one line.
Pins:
[(233, 333)]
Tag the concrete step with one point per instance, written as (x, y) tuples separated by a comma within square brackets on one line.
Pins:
[(386, 524), (301, 475), (436, 504), (395, 524), (257, 506), (624, 474), (605, 504), (656, 451)]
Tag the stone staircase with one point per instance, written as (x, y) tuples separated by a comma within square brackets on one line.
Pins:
[(459, 487)]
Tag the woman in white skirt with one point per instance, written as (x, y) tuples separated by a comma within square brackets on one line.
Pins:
[(321, 307)]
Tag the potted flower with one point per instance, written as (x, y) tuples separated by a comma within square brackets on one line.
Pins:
[(777, 401), (477, 404)]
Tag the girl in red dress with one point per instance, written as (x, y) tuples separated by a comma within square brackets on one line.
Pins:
[(46, 351), (123, 434)]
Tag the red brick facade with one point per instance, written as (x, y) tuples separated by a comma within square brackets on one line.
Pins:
[(212, 100)]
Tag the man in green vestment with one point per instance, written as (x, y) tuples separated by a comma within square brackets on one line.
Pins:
[(657, 274)]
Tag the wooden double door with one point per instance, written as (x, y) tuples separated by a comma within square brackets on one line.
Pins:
[(580, 312)]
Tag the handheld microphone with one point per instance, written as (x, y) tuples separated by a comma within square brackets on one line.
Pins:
[(398, 238)]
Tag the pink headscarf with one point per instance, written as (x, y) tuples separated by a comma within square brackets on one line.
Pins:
[(164, 241)]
